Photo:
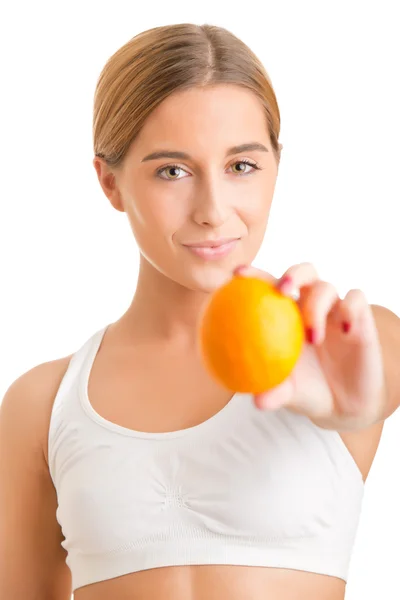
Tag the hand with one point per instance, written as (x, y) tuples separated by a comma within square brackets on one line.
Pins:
[(338, 381)]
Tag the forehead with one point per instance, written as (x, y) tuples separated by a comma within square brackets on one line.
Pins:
[(224, 114)]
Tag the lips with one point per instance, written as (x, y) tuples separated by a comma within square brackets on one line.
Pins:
[(213, 250), (211, 243)]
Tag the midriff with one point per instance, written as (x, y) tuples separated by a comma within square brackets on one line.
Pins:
[(216, 582)]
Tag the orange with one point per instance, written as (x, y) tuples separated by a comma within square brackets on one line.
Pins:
[(251, 335)]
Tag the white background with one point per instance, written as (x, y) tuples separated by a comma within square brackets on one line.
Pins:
[(68, 259)]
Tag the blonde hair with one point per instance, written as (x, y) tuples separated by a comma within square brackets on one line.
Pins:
[(159, 61)]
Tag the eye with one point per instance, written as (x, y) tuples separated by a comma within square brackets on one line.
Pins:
[(170, 168), (248, 163)]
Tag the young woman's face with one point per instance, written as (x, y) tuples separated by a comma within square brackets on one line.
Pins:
[(209, 194)]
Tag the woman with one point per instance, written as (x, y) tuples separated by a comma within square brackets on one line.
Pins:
[(129, 473)]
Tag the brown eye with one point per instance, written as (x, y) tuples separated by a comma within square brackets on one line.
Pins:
[(245, 163), (173, 170), (170, 169), (243, 169)]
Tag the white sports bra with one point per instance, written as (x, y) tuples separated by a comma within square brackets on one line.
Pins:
[(245, 487)]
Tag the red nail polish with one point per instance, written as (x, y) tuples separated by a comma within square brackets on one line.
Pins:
[(346, 327), (238, 270), (286, 280), (310, 335)]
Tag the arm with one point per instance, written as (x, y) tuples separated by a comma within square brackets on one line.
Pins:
[(32, 560), (388, 326)]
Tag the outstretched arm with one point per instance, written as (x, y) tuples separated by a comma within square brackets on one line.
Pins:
[(388, 326)]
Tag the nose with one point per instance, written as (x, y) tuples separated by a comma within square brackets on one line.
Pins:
[(212, 208)]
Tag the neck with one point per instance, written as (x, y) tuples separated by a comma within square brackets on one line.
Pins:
[(162, 309)]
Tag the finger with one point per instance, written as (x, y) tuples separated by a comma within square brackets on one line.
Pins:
[(250, 271), (356, 318), (279, 396), (298, 276), (315, 306), (292, 280)]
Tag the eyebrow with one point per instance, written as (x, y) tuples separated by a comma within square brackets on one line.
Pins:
[(184, 156)]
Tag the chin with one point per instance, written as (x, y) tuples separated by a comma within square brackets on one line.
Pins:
[(209, 278)]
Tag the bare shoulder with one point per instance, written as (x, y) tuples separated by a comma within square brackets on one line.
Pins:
[(363, 445), (34, 392), (50, 375), (33, 560), (47, 377)]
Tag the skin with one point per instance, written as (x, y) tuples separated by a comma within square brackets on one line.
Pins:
[(207, 198)]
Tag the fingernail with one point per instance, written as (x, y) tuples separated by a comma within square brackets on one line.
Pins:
[(285, 284), (239, 270), (346, 326), (311, 335)]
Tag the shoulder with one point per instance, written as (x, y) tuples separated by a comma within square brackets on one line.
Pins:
[(30, 533), (32, 394)]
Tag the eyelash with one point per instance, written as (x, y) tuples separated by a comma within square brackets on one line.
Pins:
[(244, 161)]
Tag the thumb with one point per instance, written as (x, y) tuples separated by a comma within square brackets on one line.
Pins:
[(279, 396)]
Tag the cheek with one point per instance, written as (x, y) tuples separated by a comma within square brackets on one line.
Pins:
[(157, 218), (255, 211)]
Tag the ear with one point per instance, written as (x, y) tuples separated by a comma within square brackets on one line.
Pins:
[(107, 180)]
